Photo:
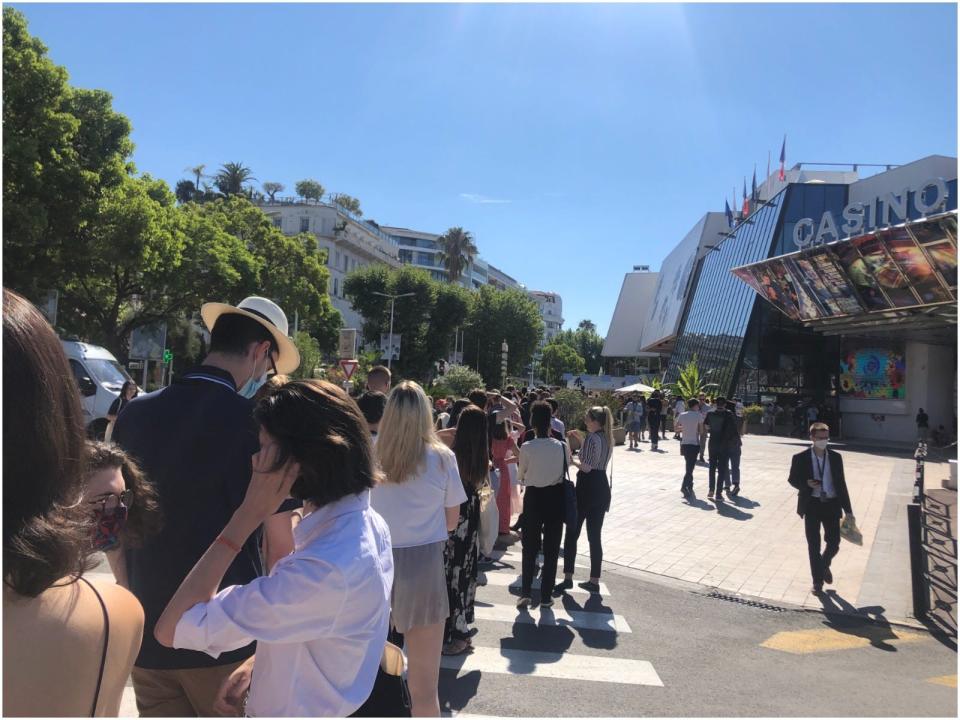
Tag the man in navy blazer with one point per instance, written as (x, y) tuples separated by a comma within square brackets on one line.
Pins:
[(822, 497)]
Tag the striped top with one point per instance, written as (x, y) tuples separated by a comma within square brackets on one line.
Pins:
[(595, 451)]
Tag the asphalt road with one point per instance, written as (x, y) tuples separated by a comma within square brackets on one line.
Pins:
[(663, 648)]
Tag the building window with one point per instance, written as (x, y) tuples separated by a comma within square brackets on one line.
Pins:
[(278, 221), (346, 262), (406, 256), (337, 263), (336, 291), (304, 224), (425, 259)]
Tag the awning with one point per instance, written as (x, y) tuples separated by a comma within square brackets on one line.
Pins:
[(636, 387), (899, 279)]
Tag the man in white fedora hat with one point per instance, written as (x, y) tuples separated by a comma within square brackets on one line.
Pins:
[(195, 439)]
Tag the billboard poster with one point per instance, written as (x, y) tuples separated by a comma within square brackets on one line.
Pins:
[(895, 286), (872, 373), (747, 276), (856, 269), (775, 290), (944, 257), (915, 266), (807, 305), (839, 285)]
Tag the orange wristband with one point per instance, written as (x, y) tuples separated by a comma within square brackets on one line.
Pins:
[(229, 543)]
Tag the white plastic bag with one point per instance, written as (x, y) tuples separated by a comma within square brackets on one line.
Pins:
[(489, 520)]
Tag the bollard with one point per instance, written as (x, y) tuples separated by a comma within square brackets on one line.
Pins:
[(917, 569)]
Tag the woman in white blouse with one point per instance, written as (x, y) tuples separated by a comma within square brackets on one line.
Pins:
[(420, 498), (321, 617)]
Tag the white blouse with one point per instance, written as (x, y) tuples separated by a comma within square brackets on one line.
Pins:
[(320, 618)]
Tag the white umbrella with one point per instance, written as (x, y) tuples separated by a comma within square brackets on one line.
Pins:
[(636, 387)]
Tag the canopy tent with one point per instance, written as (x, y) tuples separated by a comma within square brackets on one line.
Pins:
[(636, 387)]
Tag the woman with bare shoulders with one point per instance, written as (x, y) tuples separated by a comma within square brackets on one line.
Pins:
[(61, 630)]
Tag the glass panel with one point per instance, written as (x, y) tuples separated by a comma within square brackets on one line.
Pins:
[(944, 257), (859, 273), (879, 264), (913, 263)]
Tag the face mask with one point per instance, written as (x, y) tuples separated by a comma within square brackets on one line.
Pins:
[(820, 444), (255, 382), (108, 526)]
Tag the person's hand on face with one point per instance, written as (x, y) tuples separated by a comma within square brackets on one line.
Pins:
[(269, 485)]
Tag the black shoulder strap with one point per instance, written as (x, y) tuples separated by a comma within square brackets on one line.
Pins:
[(106, 642)]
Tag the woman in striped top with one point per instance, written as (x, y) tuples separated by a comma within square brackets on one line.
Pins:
[(593, 496)]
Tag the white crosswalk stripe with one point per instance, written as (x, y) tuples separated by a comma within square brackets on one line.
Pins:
[(504, 579), (561, 666), (552, 617), (516, 556)]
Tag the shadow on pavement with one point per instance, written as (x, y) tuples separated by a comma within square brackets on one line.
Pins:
[(743, 501), (598, 639), (693, 501), (457, 692), (727, 510), (867, 622)]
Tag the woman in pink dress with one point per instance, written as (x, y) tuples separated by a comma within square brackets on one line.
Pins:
[(502, 446)]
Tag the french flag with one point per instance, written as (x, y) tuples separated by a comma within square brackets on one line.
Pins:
[(783, 159), (746, 200), (729, 213)]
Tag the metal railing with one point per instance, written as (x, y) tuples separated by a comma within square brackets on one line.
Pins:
[(918, 563)]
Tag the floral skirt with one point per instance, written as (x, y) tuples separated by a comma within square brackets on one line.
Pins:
[(460, 559)]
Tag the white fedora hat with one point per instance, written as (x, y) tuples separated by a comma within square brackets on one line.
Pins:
[(267, 313)]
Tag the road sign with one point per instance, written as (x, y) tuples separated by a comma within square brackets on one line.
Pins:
[(348, 343), (349, 366), (147, 342), (386, 351), (167, 356)]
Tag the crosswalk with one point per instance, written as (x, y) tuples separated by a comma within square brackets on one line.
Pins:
[(500, 650)]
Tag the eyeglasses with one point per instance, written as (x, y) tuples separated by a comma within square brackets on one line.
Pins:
[(110, 502)]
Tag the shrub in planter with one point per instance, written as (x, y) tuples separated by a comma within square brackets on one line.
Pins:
[(572, 405), (753, 414)]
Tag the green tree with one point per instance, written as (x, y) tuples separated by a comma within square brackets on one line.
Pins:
[(272, 188), (197, 172), (495, 316), (232, 178), (691, 382), (587, 344), (185, 191), (559, 358), (348, 203), (457, 251), (587, 325), (63, 148), (460, 380), (310, 355), (309, 190)]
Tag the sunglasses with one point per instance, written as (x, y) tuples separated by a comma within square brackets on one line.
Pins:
[(110, 502)]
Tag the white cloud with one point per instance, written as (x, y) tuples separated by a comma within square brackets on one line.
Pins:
[(483, 199)]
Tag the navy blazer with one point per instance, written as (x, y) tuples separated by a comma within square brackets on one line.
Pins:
[(801, 470)]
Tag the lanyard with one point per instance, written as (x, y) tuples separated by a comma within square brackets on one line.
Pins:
[(821, 466), (210, 378)]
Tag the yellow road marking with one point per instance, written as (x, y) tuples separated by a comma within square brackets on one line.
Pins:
[(801, 642), (948, 680)]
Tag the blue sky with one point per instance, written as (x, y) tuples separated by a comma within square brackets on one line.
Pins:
[(572, 141)]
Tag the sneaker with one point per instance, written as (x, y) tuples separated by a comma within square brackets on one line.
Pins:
[(563, 586), (710, 495), (735, 491), (827, 576), (817, 589), (524, 602), (590, 586), (718, 497)]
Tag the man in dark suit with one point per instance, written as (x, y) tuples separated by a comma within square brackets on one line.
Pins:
[(822, 497)]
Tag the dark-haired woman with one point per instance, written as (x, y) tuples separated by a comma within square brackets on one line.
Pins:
[(504, 451), (320, 618), (463, 545), (123, 504), (127, 393), (68, 643)]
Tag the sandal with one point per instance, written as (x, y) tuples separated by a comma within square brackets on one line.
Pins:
[(456, 647)]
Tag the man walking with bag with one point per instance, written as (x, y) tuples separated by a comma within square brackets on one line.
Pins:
[(723, 434), (822, 497)]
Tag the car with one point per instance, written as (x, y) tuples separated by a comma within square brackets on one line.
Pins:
[(100, 377)]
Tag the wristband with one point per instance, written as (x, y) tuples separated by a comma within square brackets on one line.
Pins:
[(229, 543)]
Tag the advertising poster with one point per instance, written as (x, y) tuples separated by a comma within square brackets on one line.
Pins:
[(747, 277), (880, 266), (774, 291), (927, 232), (856, 269), (872, 373), (944, 257), (804, 269), (915, 265), (838, 284), (807, 304)]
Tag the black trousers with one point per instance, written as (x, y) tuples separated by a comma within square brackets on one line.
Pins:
[(543, 514), (825, 514), (719, 459), (593, 500), (690, 453), (654, 430)]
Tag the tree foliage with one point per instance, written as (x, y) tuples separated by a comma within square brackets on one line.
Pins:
[(232, 178), (457, 251), (495, 316), (460, 380), (691, 382), (559, 358), (348, 202), (272, 188), (586, 343), (309, 189)]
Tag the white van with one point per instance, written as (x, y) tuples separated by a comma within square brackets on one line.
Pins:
[(100, 377)]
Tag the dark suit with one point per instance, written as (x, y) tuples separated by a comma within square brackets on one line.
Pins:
[(816, 511)]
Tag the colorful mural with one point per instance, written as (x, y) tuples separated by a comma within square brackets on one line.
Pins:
[(873, 373)]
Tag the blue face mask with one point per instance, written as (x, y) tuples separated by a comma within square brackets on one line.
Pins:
[(251, 386)]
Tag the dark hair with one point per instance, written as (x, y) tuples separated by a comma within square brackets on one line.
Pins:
[(478, 397), (458, 407), (143, 517), (126, 385), (720, 401), (470, 446), (318, 425), (46, 533), (379, 371), (553, 404), (371, 404), (270, 387), (233, 333), (540, 414), (692, 401), (498, 430)]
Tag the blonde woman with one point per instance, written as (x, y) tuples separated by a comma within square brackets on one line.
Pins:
[(420, 499), (593, 496)]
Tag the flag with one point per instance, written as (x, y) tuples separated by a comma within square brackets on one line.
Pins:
[(729, 213), (746, 202), (754, 197), (783, 159)]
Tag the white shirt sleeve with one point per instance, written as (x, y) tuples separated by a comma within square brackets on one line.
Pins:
[(300, 601), (524, 462), (454, 496)]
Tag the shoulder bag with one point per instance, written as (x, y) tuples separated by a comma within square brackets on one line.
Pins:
[(390, 696), (489, 519)]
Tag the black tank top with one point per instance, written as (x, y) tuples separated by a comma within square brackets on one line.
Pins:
[(106, 641)]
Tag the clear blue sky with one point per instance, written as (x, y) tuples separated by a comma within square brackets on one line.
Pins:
[(604, 130)]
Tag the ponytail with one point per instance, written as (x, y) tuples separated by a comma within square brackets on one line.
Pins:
[(608, 429)]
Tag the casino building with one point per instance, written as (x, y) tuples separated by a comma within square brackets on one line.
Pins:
[(836, 289)]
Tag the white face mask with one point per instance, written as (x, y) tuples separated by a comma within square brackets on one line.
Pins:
[(255, 382), (821, 444)]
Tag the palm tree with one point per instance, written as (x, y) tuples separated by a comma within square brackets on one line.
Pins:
[(231, 178), (197, 172), (272, 188), (457, 251), (691, 382)]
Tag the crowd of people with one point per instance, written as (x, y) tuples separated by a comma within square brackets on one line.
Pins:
[(271, 539)]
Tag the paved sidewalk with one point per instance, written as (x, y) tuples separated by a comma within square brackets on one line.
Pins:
[(754, 544)]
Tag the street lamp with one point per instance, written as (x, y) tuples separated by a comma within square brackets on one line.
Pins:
[(393, 299), (503, 361)]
